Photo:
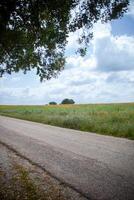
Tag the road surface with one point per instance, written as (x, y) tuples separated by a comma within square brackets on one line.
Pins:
[(99, 167)]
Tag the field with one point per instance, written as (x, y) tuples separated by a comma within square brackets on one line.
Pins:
[(108, 119)]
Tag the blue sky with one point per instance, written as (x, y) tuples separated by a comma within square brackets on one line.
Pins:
[(104, 75)]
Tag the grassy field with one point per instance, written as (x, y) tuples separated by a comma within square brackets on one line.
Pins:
[(108, 119)]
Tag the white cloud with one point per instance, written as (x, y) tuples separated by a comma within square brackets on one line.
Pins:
[(114, 53), (109, 53), (85, 63), (101, 30)]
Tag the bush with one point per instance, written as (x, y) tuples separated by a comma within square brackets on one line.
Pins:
[(52, 103), (68, 101)]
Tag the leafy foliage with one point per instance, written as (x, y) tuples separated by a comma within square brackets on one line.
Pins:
[(68, 101), (33, 33), (52, 103)]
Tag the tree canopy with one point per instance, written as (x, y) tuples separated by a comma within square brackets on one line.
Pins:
[(68, 101), (52, 103), (33, 33)]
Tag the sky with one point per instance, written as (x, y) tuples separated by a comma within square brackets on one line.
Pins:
[(104, 75)]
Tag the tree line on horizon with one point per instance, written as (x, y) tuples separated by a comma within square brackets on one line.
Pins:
[(64, 101)]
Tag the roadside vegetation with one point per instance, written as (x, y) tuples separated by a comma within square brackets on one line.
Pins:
[(108, 119)]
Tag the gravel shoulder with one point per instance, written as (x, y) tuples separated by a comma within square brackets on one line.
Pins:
[(19, 179)]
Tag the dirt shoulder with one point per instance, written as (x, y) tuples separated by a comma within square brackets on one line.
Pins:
[(19, 179)]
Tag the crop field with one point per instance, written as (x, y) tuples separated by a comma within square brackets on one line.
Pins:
[(108, 119)]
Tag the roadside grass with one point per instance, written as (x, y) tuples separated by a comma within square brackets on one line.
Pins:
[(109, 119)]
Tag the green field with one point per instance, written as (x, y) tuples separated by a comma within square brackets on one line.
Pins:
[(108, 119)]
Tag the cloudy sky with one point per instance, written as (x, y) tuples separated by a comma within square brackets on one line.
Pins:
[(105, 74)]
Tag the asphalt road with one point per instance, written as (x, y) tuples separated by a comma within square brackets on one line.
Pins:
[(99, 167)]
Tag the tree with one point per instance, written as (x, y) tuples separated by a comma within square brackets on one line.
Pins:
[(52, 103), (68, 101), (33, 33)]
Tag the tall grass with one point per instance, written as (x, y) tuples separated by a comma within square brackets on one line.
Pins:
[(109, 119)]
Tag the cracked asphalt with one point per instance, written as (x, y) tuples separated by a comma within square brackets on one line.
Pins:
[(98, 167)]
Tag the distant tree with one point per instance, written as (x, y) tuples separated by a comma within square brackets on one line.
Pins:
[(33, 33), (68, 101), (52, 103)]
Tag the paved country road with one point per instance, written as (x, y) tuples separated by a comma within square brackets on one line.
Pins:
[(99, 167)]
